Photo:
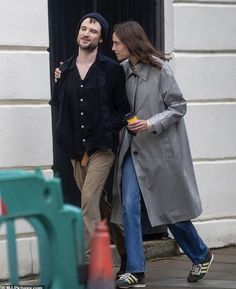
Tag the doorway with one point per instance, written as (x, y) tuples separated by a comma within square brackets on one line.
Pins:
[(63, 19)]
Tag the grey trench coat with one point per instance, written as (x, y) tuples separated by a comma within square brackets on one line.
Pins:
[(161, 157)]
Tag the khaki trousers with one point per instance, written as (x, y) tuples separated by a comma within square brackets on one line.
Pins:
[(91, 180)]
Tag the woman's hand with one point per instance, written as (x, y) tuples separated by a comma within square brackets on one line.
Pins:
[(138, 125)]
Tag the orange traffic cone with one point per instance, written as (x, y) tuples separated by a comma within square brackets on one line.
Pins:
[(100, 266), (3, 208)]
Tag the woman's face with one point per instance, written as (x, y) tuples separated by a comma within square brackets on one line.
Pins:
[(120, 49)]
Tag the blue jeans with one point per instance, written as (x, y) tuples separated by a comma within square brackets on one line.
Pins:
[(184, 232), (131, 205), (189, 241)]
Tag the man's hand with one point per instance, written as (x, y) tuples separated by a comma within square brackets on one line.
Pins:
[(57, 73)]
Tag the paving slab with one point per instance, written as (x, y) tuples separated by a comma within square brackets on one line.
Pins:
[(171, 272)]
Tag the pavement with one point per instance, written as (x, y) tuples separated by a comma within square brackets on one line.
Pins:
[(171, 272)]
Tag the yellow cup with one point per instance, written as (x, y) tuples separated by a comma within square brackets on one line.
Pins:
[(131, 117)]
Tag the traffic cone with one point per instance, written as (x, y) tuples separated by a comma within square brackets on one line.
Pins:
[(100, 266), (3, 208)]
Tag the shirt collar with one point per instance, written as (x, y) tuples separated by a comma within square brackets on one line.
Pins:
[(99, 59), (142, 71)]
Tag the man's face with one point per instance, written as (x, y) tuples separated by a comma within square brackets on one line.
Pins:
[(89, 35)]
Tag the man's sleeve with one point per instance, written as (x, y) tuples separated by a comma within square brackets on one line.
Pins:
[(120, 104)]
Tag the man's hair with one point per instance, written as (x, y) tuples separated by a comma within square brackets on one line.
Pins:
[(134, 37)]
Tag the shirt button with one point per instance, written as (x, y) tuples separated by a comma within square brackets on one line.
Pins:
[(81, 99), (135, 153), (83, 140), (81, 85), (82, 126), (81, 113)]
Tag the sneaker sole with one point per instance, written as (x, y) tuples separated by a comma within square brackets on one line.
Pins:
[(133, 286)]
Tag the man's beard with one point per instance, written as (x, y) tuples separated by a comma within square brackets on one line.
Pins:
[(90, 48)]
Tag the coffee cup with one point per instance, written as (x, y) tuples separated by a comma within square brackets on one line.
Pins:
[(131, 117)]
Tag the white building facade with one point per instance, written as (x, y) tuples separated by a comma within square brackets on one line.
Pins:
[(201, 37), (25, 116)]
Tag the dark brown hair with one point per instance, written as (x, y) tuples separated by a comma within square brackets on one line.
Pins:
[(134, 37)]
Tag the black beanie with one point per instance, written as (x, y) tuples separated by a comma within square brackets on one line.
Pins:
[(103, 22)]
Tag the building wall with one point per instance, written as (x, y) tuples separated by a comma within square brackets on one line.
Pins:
[(25, 117), (200, 35)]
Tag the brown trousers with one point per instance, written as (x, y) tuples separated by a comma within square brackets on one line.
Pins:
[(91, 180)]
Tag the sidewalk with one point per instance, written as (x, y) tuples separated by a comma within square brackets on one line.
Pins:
[(171, 273)]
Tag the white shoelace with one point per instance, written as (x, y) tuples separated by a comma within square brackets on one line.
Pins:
[(196, 269), (125, 276)]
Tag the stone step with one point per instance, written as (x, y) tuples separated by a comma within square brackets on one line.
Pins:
[(152, 249)]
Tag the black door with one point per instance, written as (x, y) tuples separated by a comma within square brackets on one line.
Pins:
[(63, 18), (65, 14)]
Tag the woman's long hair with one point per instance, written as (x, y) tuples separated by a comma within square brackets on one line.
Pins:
[(134, 37)]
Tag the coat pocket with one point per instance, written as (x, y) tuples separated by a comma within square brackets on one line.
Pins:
[(170, 144)]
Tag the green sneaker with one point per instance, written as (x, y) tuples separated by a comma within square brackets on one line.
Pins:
[(129, 280), (199, 271)]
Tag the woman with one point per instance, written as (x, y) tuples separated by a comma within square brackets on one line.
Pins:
[(155, 162)]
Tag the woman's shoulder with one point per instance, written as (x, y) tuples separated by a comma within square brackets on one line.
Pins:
[(165, 67)]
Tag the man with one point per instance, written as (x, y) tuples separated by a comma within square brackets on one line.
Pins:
[(90, 103)]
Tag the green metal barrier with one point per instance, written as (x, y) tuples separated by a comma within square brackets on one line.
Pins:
[(59, 228)]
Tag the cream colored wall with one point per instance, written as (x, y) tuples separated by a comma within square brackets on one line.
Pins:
[(200, 35), (25, 117), (25, 122)]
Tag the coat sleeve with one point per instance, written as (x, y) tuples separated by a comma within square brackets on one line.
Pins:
[(174, 104), (120, 104), (54, 102)]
